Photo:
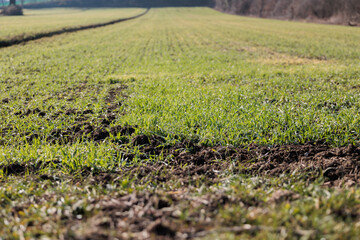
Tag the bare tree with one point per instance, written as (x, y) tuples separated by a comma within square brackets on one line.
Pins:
[(262, 5), (12, 2)]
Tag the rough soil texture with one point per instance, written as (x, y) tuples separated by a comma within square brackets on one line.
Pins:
[(176, 214), (346, 12), (87, 131), (149, 215), (337, 165), (187, 162), (83, 128), (158, 216)]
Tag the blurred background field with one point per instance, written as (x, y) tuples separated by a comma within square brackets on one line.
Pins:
[(45, 20)]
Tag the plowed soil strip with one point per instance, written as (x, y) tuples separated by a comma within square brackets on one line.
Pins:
[(187, 162), (19, 40), (338, 166)]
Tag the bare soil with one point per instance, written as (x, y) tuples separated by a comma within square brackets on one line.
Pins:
[(337, 165)]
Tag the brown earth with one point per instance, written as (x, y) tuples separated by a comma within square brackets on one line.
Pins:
[(346, 12)]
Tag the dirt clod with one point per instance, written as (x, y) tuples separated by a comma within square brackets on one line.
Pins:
[(160, 229), (14, 168), (140, 140), (5, 100), (283, 195)]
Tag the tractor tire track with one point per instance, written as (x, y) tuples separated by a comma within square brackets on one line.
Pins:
[(20, 40)]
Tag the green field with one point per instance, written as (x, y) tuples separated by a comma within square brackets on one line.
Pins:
[(184, 123), (45, 20)]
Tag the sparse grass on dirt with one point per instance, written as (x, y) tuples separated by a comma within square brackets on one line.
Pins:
[(185, 123)]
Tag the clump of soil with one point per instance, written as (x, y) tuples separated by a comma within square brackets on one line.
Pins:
[(28, 112), (5, 100), (140, 140), (13, 10), (14, 169), (20, 169)]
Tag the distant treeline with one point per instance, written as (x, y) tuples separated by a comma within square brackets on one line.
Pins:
[(333, 11), (124, 3)]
